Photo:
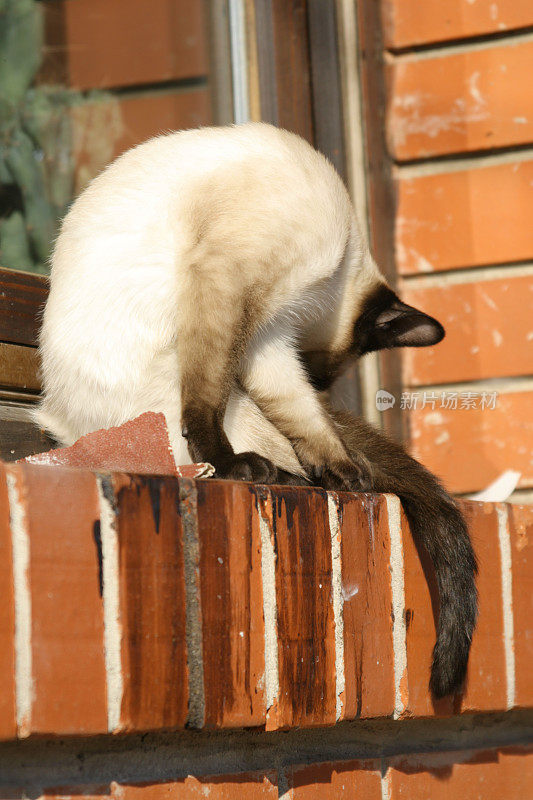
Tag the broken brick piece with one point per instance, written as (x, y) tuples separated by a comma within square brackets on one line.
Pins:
[(141, 445)]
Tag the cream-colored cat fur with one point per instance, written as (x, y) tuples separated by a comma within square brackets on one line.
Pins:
[(161, 256)]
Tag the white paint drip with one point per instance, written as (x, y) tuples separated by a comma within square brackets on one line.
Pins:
[(338, 600), (23, 652), (268, 573), (112, 624), (507, 602), (488, 300), (398, 601), (435, 418), (473, 88)]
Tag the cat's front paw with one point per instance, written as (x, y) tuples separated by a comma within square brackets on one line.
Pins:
[(353, 476), (248, 467)]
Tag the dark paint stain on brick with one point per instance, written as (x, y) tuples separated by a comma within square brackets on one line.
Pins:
[(303, 578), (214, 517), (97, 536), (108, 491), (154, 487), (152, 607)]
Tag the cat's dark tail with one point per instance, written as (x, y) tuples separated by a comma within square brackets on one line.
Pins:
[(439, 526)]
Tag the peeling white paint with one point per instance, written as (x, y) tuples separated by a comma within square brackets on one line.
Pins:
[(421, 262), (435, 418), (411, 116), (349, 590), (488, 300), (497, 338)]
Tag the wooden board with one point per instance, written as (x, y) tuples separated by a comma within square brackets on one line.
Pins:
[(22, 299)]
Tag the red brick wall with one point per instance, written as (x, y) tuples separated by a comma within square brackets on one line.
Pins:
[(459, 132), (151, 65), (134, 604)]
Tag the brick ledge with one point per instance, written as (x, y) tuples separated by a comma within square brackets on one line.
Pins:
[(139, 603)]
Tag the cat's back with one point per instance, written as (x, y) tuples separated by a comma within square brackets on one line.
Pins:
[(251, 183), (181, 160)]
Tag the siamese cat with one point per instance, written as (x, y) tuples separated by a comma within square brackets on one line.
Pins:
[(219, 276)]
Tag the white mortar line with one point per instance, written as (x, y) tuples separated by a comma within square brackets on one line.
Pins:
[(188, 504), (268, 574), (444, 49), (22, 599), (386, 788), (284, 792), (336, 568), (500, 385), (398, 601), (112, 624), (464, 164), (462, 276), (507, 601)]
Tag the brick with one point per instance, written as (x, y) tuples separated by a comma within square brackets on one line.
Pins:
[(232, 605), (409, 22), (490, 774), (140, 445), (521, 533), (486, 688), (450, 220), (67, 634), (306, 636), (152, 604), (421, 610), (83, 791), (103, 129), (342, 780), (367, 606), (488, 331), (470, 447), (150, 115), (242, 786), (481, 102), (8, 726), (97, 44)]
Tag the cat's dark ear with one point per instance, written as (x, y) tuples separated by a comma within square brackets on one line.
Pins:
[(387, 322)]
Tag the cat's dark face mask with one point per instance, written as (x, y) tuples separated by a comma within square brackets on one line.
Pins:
[(386, 322), (383, 323)]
